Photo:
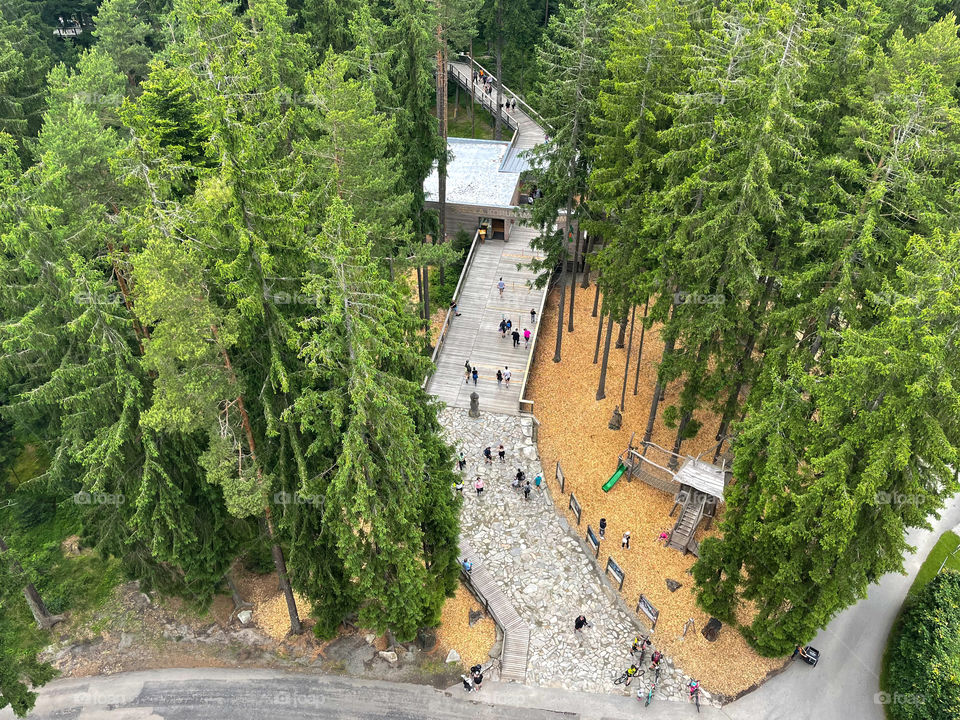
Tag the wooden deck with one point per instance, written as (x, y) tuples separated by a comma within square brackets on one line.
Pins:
[(475, 337), (516, 632)]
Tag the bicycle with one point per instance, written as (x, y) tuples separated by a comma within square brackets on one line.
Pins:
[(644, 643), (653, 687), (694, 687), (625, 677)]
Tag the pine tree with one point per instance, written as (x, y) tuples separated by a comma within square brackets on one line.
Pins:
[(389, 519), (123, 33)]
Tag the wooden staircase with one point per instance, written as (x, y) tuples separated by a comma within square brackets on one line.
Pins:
[(681, 537), (516, 632)]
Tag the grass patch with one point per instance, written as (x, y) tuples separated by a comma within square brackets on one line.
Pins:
[(460, 121), (29, 463), (939, 553)]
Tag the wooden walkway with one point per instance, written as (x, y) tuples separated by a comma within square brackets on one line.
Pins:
[(474, 336), (516, 633), (529, 133)]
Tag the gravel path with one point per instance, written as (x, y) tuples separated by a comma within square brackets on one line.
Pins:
[(542, 568)]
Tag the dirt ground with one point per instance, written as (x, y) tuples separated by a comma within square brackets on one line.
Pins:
[(573, 430), (138, 631)]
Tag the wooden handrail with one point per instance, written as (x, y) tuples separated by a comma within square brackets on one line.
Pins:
[(467, 84), (536, 334), (456, 294), (517, 95)]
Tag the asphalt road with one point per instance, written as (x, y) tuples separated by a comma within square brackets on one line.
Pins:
[(844, 684)]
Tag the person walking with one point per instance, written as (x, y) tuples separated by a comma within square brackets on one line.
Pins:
[(533, 316), (579, 624), (603, 527), (478, 485), (499, 377), (501, 286), (488, 455), (537, 480), (453, 308), (475, 375), (514, 104), (469, 372), (462, 461), (526, 490), (516, 338), (506, 375), (526, 338), (503, 328), (477, 680), (458, 486), (502, 453), (625, 541), (520, 476)]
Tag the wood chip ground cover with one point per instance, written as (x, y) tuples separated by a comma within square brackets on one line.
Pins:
[(573, 430)]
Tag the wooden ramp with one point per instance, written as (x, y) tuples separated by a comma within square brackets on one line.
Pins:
[(516, 632)]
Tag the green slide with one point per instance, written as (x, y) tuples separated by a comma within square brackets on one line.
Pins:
[(613, 478)]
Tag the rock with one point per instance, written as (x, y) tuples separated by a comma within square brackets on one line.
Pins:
[(370, 637), (474, 617), (245, 616), (426, 638), (673, 585), (125, 641), (497, 649), (388, 655), (453, 657)]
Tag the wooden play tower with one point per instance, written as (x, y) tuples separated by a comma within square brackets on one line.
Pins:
[(697, 487)]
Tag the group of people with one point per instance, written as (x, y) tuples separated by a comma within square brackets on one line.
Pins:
[(473, 683), (624, 540)]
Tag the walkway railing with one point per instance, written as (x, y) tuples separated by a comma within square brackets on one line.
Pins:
[(485, 100), (530, 111), (527, 405), (456, 295)]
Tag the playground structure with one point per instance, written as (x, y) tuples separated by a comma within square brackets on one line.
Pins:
[(696, 484)]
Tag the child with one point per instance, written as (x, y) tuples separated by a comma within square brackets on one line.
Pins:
[(603, 527), (625, 541)]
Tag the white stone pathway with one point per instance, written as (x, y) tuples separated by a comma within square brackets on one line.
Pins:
[(541, 569)]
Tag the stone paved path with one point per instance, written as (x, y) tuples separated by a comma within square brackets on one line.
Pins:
[(541, 569)]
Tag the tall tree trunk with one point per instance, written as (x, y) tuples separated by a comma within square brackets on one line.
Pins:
[(601, 394), (279, 563), (586, 263), (456, 102), (426, 294), (498, 122), (573, 282), (622, 336), (659, 390), (546, 12), (442, 128), (596, 299), (44, 619), (643, 330), (473, 97), (626, 364), (596, 349), (563, 295)]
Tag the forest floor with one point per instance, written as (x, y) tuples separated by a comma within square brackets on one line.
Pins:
[(132, 631), (573, 431)]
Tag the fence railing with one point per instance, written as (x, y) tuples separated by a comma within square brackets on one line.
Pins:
[(456, 295), (485, 100), (527, 405), (529, 110)]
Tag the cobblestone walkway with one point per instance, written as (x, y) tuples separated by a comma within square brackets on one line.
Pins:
[(540, 568)]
